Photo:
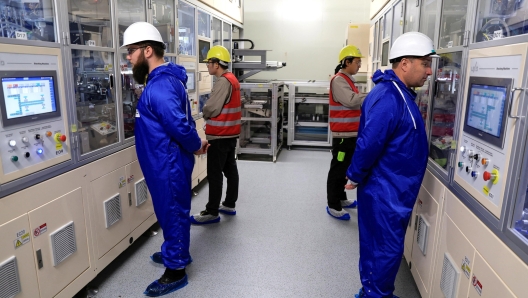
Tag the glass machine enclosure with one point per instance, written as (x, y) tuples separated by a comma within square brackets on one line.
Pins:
[(28, 20), (308, 114), (92, 60), (186, 29), (262, 119)]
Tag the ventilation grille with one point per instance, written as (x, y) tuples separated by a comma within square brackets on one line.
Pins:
[(9, 280), (449, 278), (421, 237), (63, 243), (112, 208), (141, 192)]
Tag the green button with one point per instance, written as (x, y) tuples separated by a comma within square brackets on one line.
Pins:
[(14, 158), (460, 164)]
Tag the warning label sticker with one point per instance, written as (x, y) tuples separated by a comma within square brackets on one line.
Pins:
[(465, 267), (122, 182), (477, 285), (40, 230), (23, 239)]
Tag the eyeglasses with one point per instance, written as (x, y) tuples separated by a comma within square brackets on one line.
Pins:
[(131, 51)]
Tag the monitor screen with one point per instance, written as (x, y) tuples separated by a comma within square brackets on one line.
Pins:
[(28, 96), (203, 48), (486, 109), (190, 80)]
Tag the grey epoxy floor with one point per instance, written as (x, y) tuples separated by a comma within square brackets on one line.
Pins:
[(281, 243)]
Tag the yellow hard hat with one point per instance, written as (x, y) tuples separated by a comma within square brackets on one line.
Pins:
[(349, 51), (220, 53)]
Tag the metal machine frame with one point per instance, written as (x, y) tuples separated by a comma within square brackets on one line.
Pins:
[(264, 113)]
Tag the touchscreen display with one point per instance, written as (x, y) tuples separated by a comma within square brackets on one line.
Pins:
[(190, 80), (486, 108), (28, 96)]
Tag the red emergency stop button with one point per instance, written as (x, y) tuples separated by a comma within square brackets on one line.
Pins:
[(60, 137), (493, 176)]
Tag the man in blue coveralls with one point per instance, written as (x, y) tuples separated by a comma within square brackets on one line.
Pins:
[(389, 162), (166, 139)]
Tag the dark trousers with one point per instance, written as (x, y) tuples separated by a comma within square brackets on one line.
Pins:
[(221, 160), (335, 184)]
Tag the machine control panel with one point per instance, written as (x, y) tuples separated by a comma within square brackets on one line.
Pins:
[(485, 141), (34, 132)]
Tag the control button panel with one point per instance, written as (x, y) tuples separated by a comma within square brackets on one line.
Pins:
[(480, 165), (25, 147)]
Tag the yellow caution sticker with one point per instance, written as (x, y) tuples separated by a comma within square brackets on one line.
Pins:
[(485, 190), (122, 182), (22, 240), (354, 26)]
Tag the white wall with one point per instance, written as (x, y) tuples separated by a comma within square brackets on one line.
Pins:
[(306, 34)]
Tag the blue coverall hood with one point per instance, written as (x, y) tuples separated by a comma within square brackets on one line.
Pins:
[(176, 70)]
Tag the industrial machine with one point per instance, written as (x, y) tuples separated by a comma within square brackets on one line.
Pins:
[(262, 118)]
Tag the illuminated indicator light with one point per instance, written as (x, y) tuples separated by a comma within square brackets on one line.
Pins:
[(462, 149), (14, 158), (12, 143), (40, 151), (48, 133)]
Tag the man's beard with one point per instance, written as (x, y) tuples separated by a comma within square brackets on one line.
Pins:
[(140, 70)]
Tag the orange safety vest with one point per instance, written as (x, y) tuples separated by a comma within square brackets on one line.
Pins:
[(228, 122), (343, 119)]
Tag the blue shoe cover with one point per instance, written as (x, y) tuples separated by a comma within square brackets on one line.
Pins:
[(353, 205), (156, 289), (361, 294), (194, 221), (158, 259), (342, 217)]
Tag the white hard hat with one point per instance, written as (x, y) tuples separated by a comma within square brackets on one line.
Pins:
[(412, 44), (140, 31)]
